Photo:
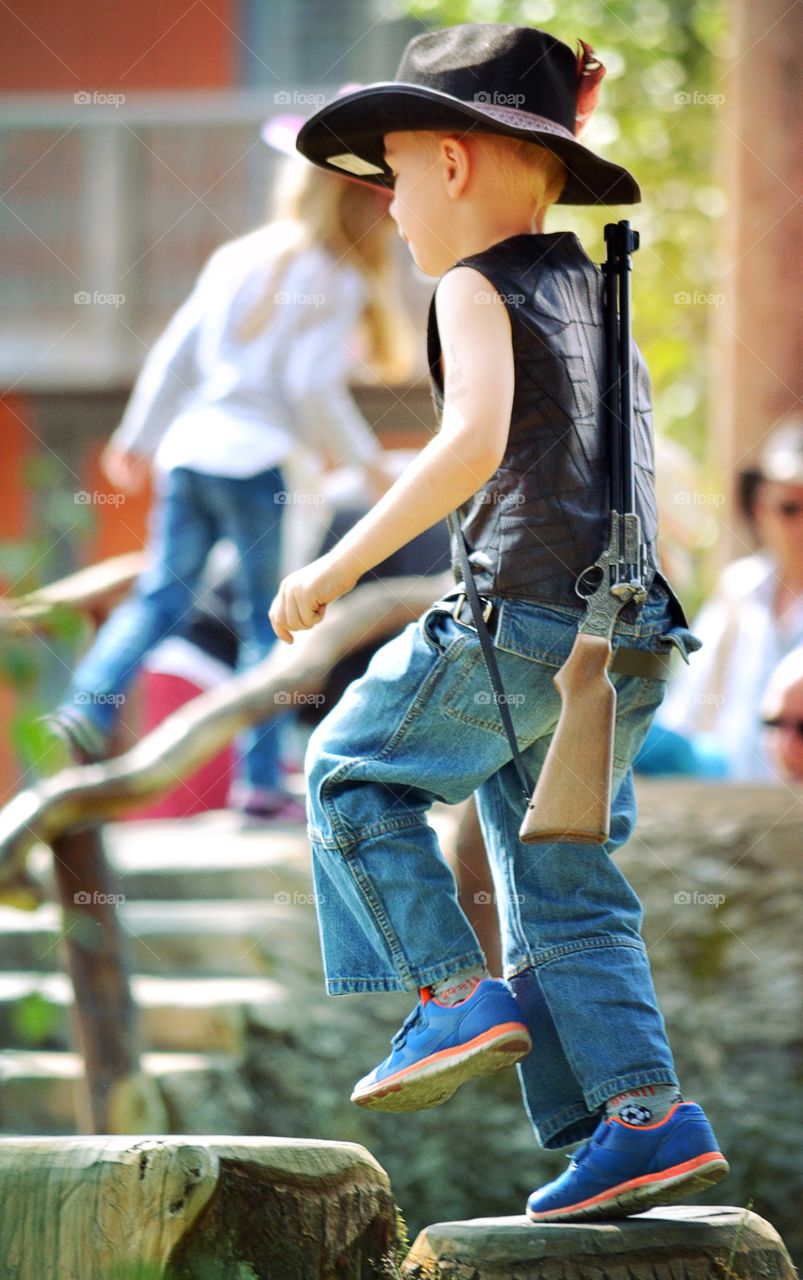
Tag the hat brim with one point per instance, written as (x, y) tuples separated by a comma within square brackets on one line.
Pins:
[(347, 136)]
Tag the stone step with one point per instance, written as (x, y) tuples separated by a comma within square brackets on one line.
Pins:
[(214, 855), (177, 1014), (232, 938), (39, 1090)]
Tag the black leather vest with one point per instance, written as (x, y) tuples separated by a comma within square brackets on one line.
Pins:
[(543, 517)]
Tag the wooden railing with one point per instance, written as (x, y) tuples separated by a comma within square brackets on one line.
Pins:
[(66, 811)]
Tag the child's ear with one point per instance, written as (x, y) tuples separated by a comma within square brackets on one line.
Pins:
[(457, 165)]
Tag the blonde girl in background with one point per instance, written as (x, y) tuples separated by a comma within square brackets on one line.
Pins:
[(246, 388)]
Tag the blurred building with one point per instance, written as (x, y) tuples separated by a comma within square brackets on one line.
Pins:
[(129, 150)]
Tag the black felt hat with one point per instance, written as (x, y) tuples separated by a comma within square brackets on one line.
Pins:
[(516, 81)]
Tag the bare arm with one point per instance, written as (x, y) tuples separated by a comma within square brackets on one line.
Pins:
[(478, 386)]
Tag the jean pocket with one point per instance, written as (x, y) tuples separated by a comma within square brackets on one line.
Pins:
[(684, 640)]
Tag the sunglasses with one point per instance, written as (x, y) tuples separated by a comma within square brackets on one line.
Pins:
[(787, 510), (779, 723)]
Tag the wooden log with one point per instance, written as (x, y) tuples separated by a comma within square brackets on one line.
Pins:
[(683, 1242), (199, 729), (117, 1097), (182, 1208)]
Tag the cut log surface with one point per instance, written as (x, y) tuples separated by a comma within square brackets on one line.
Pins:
[(683, 1242), (99, 1208)]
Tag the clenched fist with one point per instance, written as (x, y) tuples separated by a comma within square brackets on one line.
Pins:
[(303, 595)]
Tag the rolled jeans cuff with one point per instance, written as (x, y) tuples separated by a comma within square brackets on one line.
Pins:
[(413, 980), (602, 1093)]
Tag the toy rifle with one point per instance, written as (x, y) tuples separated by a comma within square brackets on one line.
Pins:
[(572, 799)]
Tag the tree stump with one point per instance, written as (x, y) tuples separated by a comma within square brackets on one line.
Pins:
[(192, 1208), (679, 1243)]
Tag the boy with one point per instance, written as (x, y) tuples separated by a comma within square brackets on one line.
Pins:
[(516, 348)]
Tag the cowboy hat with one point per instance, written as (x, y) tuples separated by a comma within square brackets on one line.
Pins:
[(516, 81)]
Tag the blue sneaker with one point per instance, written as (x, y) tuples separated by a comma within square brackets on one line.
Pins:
[(440, 1046), (628, 1168)]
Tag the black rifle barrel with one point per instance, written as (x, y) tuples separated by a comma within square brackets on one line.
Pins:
[(611, 396), (621, 241)]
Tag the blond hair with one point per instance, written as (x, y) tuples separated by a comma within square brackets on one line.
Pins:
[(526, 169), (312, 207), (527, 172)]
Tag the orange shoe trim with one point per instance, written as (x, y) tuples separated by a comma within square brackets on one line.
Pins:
[(502, 1029), (687, 1167)]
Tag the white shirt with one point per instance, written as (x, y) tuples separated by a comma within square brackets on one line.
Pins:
[(208, 401), (720, 692)]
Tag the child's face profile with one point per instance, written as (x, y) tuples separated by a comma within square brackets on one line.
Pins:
[(421, 206)]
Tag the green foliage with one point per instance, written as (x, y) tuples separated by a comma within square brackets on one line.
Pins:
[(33, 656), (35, 1019), (657, 115), (390, 1264)]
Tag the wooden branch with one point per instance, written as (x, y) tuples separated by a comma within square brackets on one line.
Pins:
[(203, 726), (91, 590)]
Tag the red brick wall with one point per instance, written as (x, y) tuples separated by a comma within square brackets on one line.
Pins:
[(92, 44)]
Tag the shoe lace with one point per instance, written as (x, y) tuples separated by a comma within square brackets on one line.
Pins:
[(409, 1022)]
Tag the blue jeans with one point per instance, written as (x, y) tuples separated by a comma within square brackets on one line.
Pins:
[(422, 725), (191, 513)]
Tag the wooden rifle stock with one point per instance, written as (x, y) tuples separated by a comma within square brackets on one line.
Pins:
[(572, 798)]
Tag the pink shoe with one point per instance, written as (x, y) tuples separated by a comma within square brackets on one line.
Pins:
[(269, 803)]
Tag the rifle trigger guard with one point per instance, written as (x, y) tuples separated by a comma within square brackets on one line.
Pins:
[(584, 586)]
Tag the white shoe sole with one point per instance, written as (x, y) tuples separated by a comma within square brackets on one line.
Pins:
[(434, 1080)]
